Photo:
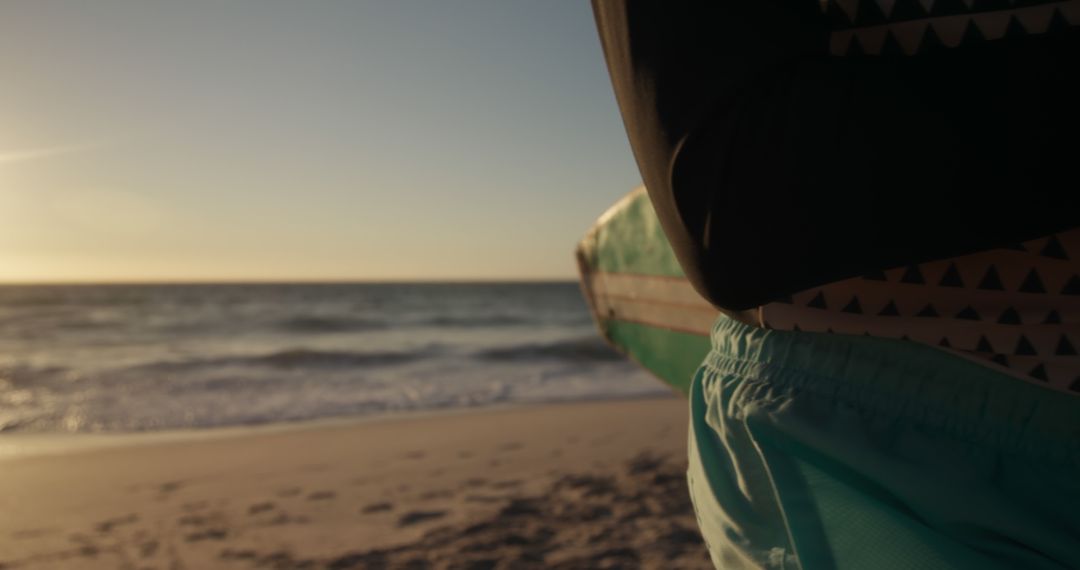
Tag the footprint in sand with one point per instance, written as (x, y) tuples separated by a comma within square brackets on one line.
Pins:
[(106, 526), (191, 520), (377, 508), (416, 517), (286, 518), (260, 508), (209, 534), (148, 549), (321, 496), (645, 463), (170, 487), (86, 544)]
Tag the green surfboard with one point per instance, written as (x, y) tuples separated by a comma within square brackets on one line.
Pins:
[(639, 297)]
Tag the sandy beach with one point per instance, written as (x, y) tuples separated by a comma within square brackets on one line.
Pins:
[(581, 485)]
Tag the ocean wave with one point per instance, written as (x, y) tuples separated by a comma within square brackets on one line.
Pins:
[(329, 324), (587, 349), (477, 321), (292, 359), (305, 358), (21, 376)]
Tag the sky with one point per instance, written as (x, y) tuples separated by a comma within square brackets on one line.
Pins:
[(211, 140)]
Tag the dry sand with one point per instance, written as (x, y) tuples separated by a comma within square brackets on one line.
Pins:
[(586, 485)]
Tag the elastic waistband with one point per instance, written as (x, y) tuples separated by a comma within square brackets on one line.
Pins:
[(903, 379)]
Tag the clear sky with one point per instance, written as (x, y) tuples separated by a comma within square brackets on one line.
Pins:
[(278, 140)]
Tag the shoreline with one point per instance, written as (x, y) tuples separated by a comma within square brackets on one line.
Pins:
[(14, 446)]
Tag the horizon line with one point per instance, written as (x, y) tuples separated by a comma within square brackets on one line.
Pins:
[(290, 281)]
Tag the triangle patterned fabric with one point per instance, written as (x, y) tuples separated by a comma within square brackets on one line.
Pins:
[(1016, 309), (916, 27)]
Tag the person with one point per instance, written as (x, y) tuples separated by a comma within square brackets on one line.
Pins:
[(900, 174)]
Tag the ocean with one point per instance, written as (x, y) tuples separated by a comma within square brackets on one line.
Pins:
[(134, 358)]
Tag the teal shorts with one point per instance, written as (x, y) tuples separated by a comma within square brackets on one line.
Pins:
[(812, 451)]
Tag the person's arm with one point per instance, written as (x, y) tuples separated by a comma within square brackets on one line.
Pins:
[(775, 167)]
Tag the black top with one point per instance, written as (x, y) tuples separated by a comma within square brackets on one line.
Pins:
[(775, 166)]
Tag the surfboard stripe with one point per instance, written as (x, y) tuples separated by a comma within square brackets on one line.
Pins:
[(639, 296), (655, 288), (669, 303)]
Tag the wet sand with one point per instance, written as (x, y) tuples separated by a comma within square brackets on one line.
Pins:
[(583, 485)]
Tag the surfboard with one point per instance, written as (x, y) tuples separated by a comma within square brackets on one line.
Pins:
[(639, 296)]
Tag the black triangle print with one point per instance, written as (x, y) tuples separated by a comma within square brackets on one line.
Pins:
[(928, 311), (984, 345), (907, 10), (931, 42), (1014, 30), (969, 314), (1064, 347), (1058, 23), (1000, 359), (1075, 386), (869, 14), (891, 47), (1072, 287), (1032, 283), (1054, 249), (1052, 318), (913, 275), (1024, 347), (875, 276), (944, 342), (818, 302), (991, 281), (838, 18), (890, 310), (854, 49), (948, 8), (951, 277), (853, 306), (972, 34), (1039, 373), (1009, 317)]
